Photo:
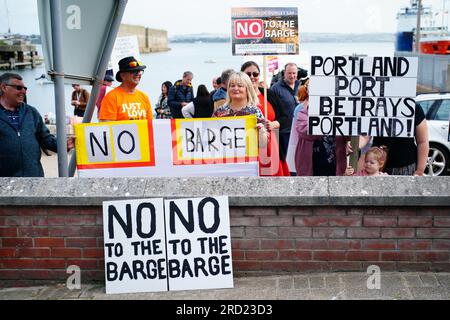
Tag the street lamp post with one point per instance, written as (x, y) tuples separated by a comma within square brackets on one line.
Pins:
[(419, 16)]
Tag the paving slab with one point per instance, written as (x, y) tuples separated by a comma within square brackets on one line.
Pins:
[(325, 286)]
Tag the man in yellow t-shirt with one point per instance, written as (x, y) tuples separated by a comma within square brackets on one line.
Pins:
[(126, 102)]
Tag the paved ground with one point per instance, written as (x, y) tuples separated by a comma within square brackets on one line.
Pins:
[(330, 286)]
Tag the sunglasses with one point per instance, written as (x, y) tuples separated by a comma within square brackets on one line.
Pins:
[(136, 71), (18, 88), (134, 64), (254, 74)]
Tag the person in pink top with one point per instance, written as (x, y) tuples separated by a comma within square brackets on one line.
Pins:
[(107, 83), (318, 155), (374, 161)]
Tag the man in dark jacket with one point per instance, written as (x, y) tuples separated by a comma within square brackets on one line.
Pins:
[(22, 131), (180, 94), (286, 90)]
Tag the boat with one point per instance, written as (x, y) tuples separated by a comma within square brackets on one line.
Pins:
[(435, 38), (435, 41), (407, 25), (434, 31)]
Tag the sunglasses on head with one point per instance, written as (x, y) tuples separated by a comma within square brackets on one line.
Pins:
[(134, 64), (17, 87), (254, 74)]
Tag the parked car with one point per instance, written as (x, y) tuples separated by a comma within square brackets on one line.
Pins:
[(437, 110)]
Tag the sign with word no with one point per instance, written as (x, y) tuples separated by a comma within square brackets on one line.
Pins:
[(155, 245), (265, 31), (168, 148)]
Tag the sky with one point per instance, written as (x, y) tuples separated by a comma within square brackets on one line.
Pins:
[(213, 16)]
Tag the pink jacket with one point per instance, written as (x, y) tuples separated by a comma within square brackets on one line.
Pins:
[(304, 151)]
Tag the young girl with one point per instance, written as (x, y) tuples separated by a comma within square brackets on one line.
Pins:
[(374, 161)]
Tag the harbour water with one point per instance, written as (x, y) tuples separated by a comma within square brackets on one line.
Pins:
[(205, 60)]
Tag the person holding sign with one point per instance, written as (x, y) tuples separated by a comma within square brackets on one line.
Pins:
[(242, 101), (126, 102), (318, 155), (276, 119), (408, 156)]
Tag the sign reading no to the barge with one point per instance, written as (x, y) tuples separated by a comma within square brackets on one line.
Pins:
[(265, 31)]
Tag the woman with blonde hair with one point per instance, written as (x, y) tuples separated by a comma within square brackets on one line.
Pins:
[(242, 101)]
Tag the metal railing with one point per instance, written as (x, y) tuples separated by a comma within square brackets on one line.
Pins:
[(434, 71)]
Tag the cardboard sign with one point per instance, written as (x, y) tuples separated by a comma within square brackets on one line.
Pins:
[(265, 31), (362, 96), (135, 246), (154, 246), (168, 148), (272, 64), (199, 244), (214, 141), (124, 47)]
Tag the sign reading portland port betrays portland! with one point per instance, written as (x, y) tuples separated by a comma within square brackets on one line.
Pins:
[(362, 96), (265, 31)]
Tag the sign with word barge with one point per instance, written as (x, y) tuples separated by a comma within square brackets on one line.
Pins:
[(155, 245), (168, 148), (265, 31), (362, 96)]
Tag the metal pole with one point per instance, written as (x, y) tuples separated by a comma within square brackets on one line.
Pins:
[(58, 78), (265, 86), (103, 65), (419, 17)]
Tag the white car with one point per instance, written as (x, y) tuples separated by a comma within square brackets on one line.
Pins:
[(437, 111)]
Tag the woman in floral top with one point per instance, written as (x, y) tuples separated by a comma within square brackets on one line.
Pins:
[(162, 108), (242, 101)]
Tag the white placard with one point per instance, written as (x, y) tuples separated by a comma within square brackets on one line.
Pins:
[(135, 248), (199, 244), (153, 245), (359, 96), (124, 47)]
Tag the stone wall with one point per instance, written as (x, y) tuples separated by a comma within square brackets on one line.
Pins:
[(150, 40), (278, 225)]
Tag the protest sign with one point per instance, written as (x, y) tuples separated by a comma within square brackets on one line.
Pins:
[(273, 64), (168, 148), (362, 96), (124, 47), (217, 141), (198, 244), (135, 246), (265, 31), (153, 245)]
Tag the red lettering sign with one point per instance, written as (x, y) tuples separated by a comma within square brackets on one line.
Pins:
[(249, 29)]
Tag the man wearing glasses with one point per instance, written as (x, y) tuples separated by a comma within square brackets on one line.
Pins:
[(22, 131), (126, 102)]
